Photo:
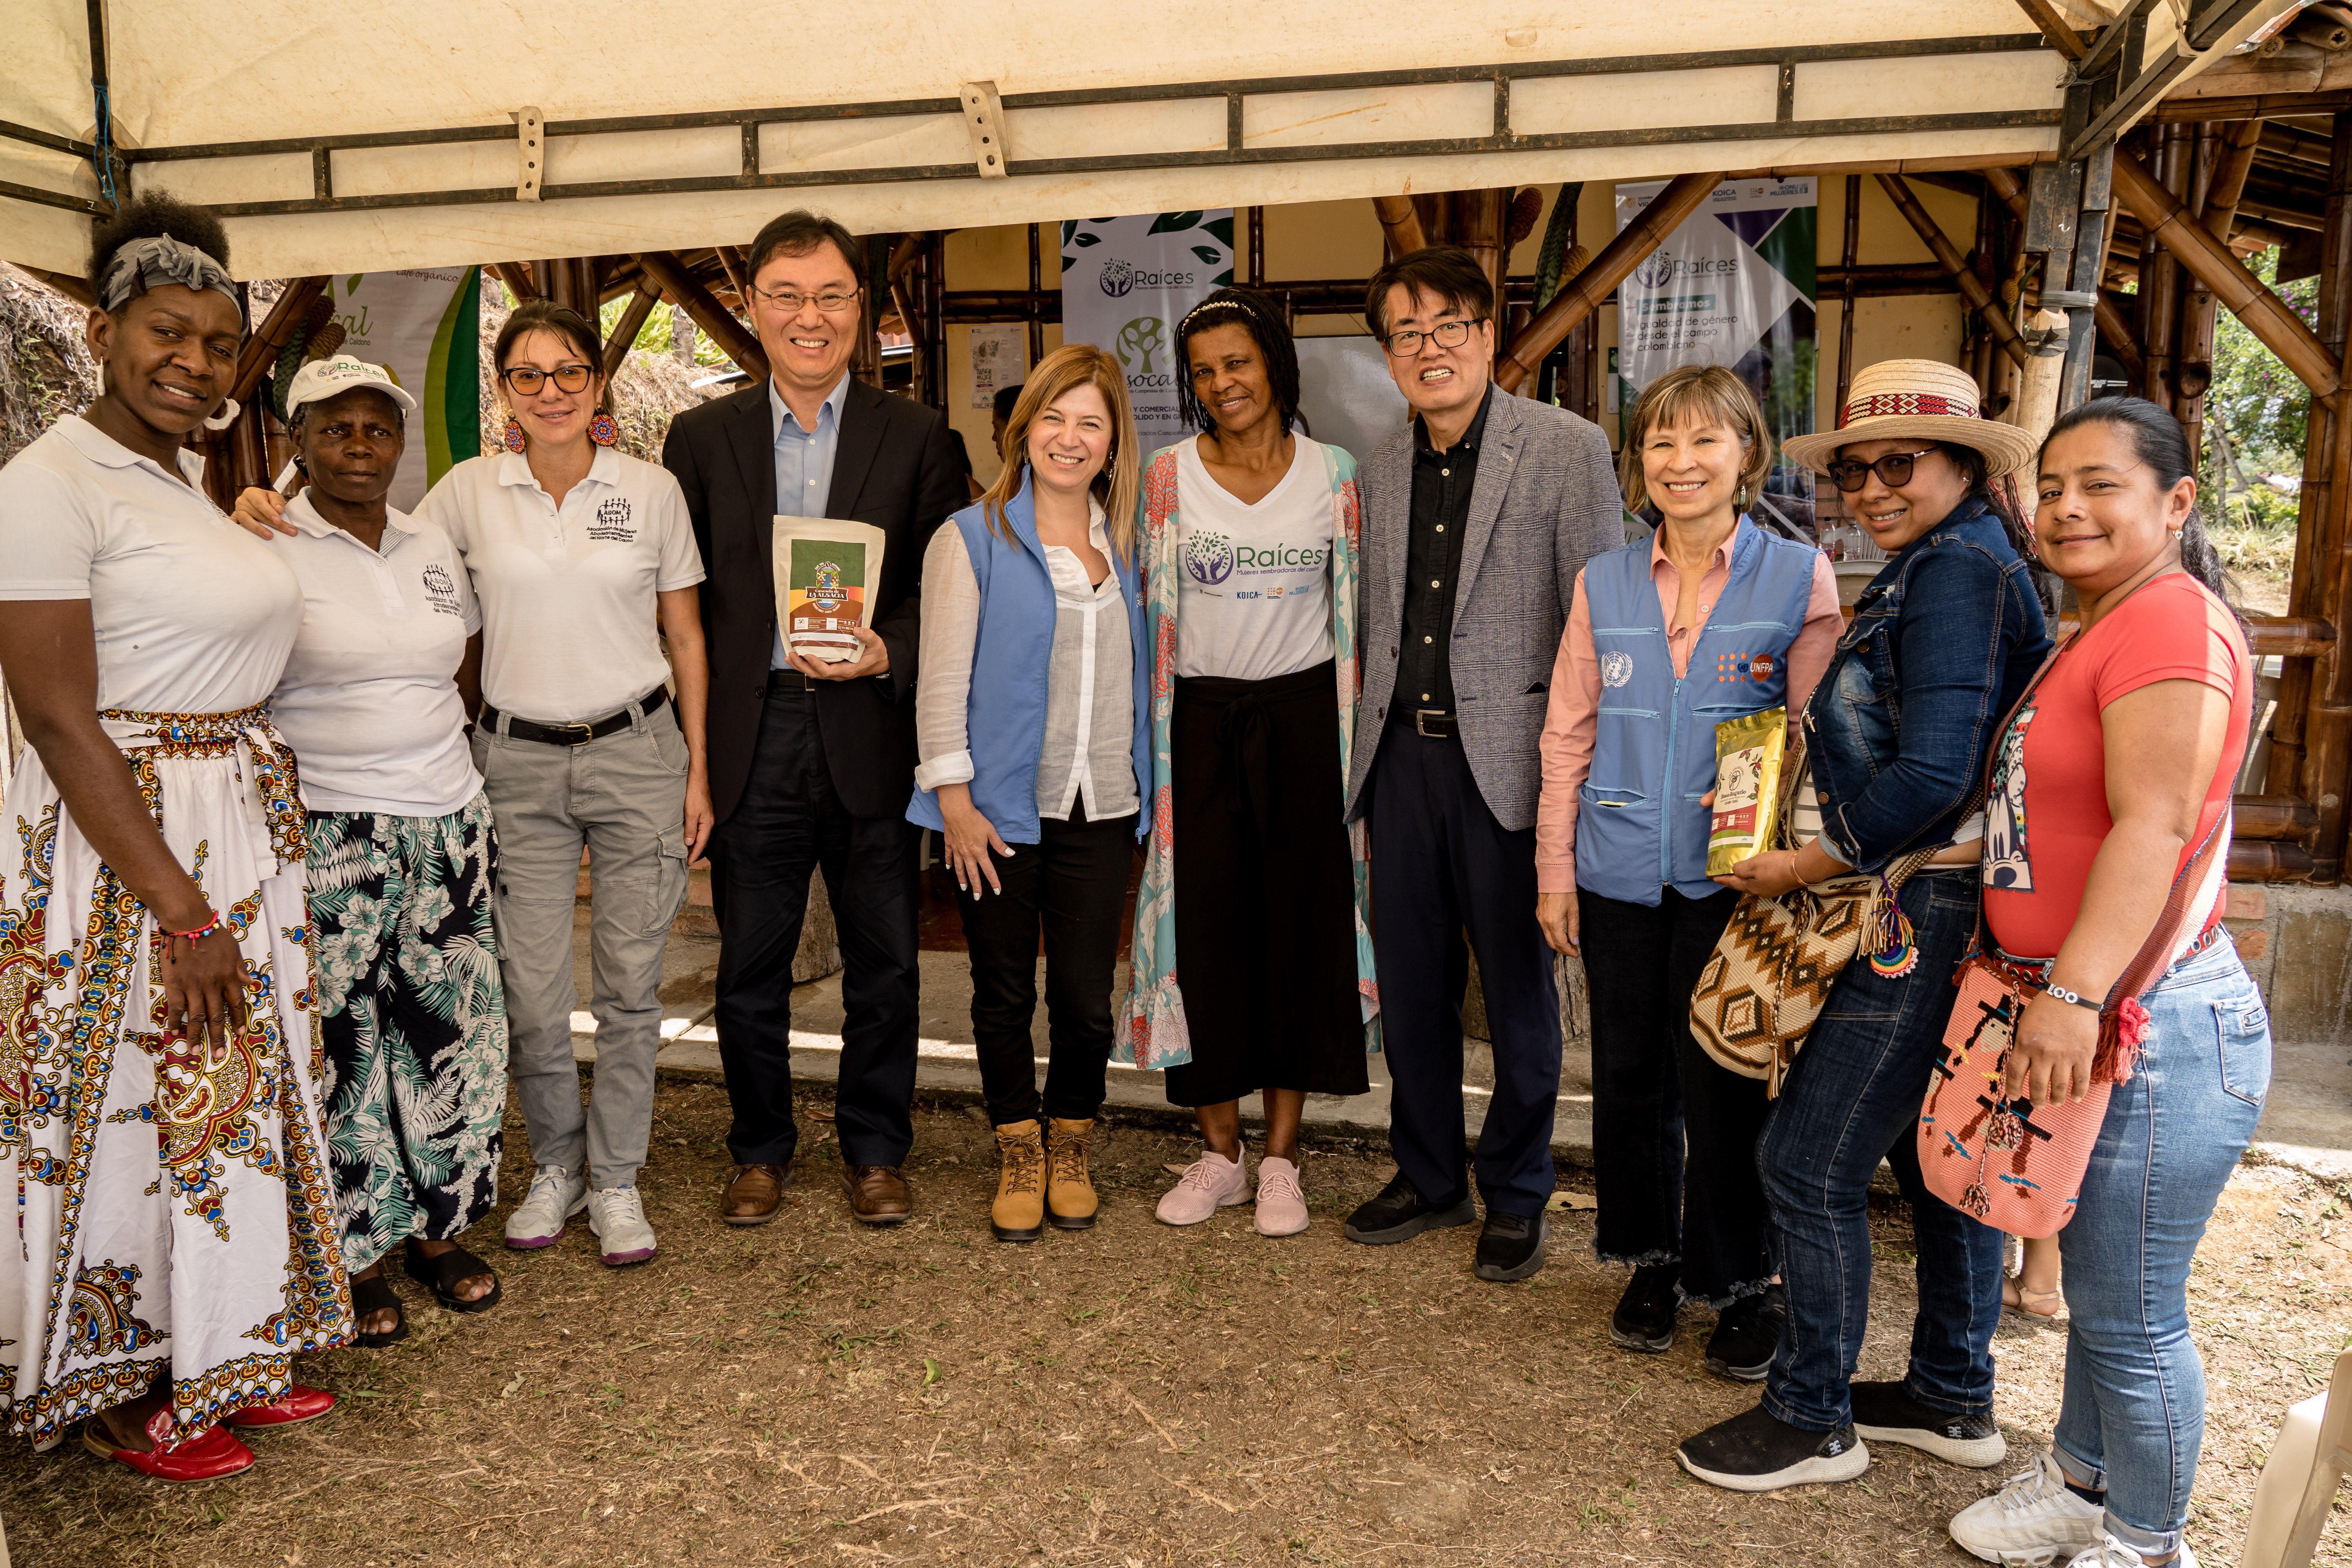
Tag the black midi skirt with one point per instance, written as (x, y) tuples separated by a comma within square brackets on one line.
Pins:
[(1266, 898)]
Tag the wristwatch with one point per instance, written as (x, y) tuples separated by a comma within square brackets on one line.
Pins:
[(2075, 998)]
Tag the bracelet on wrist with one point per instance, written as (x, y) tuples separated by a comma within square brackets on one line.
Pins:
[(2072, 998), (205, 929)]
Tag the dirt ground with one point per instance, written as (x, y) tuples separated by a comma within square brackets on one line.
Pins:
[(813, 1393)]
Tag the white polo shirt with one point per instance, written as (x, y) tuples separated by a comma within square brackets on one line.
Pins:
[(369, 701), (193, 614), (567, 593)]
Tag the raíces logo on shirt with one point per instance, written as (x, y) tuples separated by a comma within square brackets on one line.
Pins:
[(612, 524), (441, 590), (1209, 558)]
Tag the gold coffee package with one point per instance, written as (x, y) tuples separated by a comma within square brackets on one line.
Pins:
[(1747, 754), (826, 572)]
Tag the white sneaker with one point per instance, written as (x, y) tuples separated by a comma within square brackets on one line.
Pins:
[(2112, 1553), (1210, 1182), (618, 1215), (556, 1195), (2032, 1519), (1281, 1206)]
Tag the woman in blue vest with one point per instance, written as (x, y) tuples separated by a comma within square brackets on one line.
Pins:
[(1032, 728), (1712, 619)]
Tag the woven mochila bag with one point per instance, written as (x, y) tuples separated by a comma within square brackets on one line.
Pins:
[(2014, 1164)]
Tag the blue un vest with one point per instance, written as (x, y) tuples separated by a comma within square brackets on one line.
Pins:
[(1012, 663), (1639, 824)]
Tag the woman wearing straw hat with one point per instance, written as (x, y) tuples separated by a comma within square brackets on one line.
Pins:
[(1942, 641)]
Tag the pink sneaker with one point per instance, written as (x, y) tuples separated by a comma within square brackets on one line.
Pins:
[(1210, 1182), (1281, 1207)]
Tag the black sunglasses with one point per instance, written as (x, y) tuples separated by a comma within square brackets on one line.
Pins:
[(1894, 470)]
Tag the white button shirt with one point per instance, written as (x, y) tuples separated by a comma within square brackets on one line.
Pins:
[(567, 593), (369, 700)]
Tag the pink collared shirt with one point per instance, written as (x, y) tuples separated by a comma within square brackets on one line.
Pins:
[(1569, 719)]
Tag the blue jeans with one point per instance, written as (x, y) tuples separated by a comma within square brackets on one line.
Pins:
[(2133, 1416), (1852, 1095)]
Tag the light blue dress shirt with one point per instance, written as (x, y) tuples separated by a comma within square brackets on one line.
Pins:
[(803, 469)]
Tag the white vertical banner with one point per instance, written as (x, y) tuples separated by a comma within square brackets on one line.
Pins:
[(421, 325), (999, 358), (1126, 281)]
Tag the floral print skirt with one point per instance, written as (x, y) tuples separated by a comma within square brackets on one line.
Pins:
[(415, 1021)]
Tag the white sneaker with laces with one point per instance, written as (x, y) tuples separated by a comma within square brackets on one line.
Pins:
[(556, 1195), (2112, 1553), (2032, 1519), (1209, 1184), (618, 1215)]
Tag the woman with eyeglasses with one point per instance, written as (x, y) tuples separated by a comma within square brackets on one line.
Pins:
[(585, 565), (1942, 641)]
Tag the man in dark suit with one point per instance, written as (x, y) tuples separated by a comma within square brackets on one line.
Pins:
[(812, 764)]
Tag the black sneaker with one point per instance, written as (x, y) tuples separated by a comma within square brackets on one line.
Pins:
[(1746, 1333), (1511, 1247), (1759, 1452), (1644, 1317), (1400, 1212), (1887, 1412)]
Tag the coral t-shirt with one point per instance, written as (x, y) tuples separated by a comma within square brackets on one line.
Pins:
[(2046, 809)]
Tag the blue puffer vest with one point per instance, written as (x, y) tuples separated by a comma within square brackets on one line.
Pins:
[(1639, 824), (1013, 660)]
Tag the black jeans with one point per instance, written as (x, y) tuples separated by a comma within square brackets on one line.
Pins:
[(788, 825), (1673, 1135), (1071, 886)]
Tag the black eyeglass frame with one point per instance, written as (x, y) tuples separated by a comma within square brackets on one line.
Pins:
[(587, 377), (1857, 470), (1465, 324)]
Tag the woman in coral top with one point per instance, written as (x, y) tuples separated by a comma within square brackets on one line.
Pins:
[(2105, 783)]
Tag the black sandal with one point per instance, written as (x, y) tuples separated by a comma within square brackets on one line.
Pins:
[(443, 1272), (376, 1295)]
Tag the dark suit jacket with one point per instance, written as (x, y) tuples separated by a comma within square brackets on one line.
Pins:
[(895, 466)]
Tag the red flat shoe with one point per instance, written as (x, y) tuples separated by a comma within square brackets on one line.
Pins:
[(209, 1456), (296, 1406)]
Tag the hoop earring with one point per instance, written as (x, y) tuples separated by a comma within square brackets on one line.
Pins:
[(604, 430), (514, 435)]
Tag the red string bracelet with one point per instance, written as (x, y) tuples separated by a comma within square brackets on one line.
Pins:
[(203, 930)]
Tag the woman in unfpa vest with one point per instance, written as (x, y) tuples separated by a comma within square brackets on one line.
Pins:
[(1712, 619), (1033, 727)]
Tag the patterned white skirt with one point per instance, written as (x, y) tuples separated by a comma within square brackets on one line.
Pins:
[(171, 1206)]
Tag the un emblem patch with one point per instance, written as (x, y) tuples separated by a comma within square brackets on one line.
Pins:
[(1616, 669)]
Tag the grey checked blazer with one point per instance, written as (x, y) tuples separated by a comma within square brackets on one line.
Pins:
[(1545, 497)]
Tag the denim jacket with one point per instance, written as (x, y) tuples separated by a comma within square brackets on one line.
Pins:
[(1941, 643)]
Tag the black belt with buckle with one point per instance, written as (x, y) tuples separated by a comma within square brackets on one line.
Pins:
[(789, 680), (577, 734), (1435, 723)]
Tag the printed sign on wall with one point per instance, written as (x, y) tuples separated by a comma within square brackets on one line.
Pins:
[(1125, 282), (424, 326)]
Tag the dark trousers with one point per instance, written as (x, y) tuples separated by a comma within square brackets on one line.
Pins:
[(1673, 1135), (1851, 1095), (1070, 887), (1440, 863), (789, 824)]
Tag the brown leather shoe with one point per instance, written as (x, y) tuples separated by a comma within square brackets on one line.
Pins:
[(754, 1194), (877, 1194)]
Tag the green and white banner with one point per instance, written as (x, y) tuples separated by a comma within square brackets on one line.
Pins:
[(1126, 281), (1733, 286), (425, 327)]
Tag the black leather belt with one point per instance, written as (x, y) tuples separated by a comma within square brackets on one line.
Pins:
[(578, 734), (1435, 723), (789, 680)]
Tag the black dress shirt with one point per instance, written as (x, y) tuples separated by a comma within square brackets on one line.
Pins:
[(1442, 482)]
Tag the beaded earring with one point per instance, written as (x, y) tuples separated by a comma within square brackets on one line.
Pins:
[(604, 430), (514, 435)]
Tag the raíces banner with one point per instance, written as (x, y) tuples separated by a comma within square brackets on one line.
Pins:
[(425, 327), (1733, 286), (1125, 282)]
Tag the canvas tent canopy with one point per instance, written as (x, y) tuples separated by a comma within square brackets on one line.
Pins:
[(441, 131)]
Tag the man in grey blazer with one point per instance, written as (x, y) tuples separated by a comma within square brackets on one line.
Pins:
[(1477, 519)]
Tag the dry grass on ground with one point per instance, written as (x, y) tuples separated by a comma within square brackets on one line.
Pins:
[(812, 1393)]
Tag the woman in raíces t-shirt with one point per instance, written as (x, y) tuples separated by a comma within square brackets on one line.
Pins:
[(2117, 767), (1250, 533)]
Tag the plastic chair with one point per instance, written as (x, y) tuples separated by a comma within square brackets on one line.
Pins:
[(2312, 1454)]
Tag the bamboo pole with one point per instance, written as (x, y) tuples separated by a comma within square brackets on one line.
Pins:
[(2112, 326), (2160, 284), (1851, 253), (1478, 219), (735, 340), (1400, 226), (1036, 321), (2327, 763), (516, 276), (2264, 312), (1989, 274), (625, 331), (1581, 295), (2055, 28), (2004, 330), (2193, 365), (2233, 160), (260, 349)]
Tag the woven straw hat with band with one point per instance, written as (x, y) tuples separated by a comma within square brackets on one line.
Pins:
[(1924, 399)]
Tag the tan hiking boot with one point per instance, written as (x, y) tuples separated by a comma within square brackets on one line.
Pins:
[(1070, 1200), (1019, 1212)]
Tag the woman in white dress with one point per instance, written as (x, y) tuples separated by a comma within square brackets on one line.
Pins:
[(159, 1114)]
